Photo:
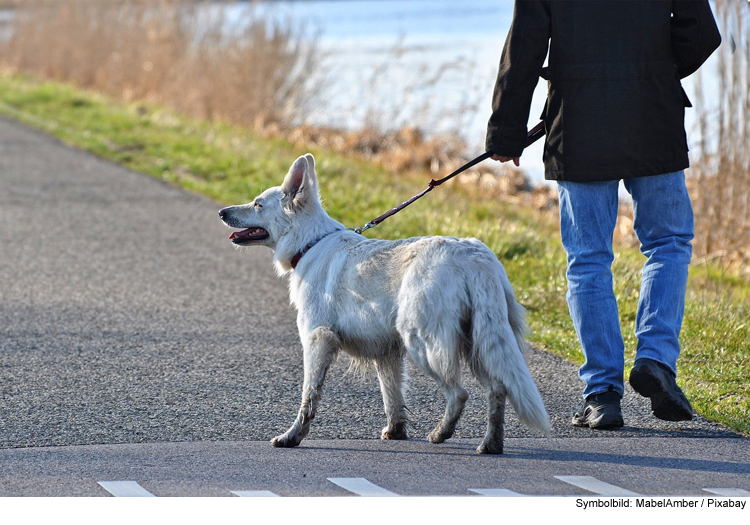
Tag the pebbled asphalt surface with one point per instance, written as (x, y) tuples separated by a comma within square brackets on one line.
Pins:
[(126, 316)]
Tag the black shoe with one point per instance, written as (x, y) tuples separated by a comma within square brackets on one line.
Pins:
[(599, 411), (654, 380)]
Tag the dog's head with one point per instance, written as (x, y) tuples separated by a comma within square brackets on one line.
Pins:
[(271, 215)]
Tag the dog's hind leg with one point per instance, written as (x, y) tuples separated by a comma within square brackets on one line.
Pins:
[(493, 439), (319, 352), (443, 366), (391, 375), (429, 323), (455, 397)]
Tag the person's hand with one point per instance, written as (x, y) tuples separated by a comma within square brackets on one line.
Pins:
[(500, 158)]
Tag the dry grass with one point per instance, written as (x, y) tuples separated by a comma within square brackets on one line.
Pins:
[(720, 182), (404, 149), (166, 51)]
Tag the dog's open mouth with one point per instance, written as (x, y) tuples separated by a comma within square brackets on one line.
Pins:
[(248, 236)]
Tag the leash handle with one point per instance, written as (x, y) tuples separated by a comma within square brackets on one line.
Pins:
[(532, 136)]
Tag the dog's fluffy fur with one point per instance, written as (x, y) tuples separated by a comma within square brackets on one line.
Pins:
[(441, 300)]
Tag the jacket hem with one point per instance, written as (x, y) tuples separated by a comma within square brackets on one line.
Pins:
[(608, 175)]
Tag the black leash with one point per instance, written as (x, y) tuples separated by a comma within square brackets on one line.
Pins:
[(532, 136)]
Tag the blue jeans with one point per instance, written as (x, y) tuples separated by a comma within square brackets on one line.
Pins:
[(663, 222)]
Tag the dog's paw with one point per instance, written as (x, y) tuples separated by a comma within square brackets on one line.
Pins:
[(438, 435), (490, 448), (285, 441), (398, 432)]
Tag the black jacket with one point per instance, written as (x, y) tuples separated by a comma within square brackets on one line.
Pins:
[(615, 106)]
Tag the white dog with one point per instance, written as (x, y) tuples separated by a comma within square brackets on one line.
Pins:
[(441, 300)]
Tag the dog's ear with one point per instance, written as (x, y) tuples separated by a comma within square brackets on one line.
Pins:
[(310, 163), (311, 178), (301, 183), (295, 179)]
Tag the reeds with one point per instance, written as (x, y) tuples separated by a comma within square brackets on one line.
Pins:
[(252, 71), (720, 177)]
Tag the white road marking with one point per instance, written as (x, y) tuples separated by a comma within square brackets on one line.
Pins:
[(596, 486), (497, 492), (361, 487), (729, 492), (255, 494), (125, 489)]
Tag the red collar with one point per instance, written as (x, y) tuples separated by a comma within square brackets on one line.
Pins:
[(303, 251)]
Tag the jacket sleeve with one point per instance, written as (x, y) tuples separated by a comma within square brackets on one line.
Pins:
[(694, 34), (520, 66)]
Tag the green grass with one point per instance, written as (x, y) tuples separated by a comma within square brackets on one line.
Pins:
[(231, 165)]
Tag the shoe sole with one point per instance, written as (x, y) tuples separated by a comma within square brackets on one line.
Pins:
[(664, 405), (600, 423)]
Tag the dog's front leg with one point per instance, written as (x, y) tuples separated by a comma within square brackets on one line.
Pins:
[(319, 352), (390, 370)]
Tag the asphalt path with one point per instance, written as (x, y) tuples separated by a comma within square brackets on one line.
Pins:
[(132, 333)]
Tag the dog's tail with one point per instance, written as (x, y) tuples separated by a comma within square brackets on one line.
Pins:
[(500, 346)]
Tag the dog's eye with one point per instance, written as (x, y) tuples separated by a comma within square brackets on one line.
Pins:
[(258, 205)]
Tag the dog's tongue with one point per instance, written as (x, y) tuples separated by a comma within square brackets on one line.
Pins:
[(250, 233)]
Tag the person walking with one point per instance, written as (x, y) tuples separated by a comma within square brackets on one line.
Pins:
[(615, 111)]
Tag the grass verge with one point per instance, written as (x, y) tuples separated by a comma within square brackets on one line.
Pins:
[(231, 165)]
